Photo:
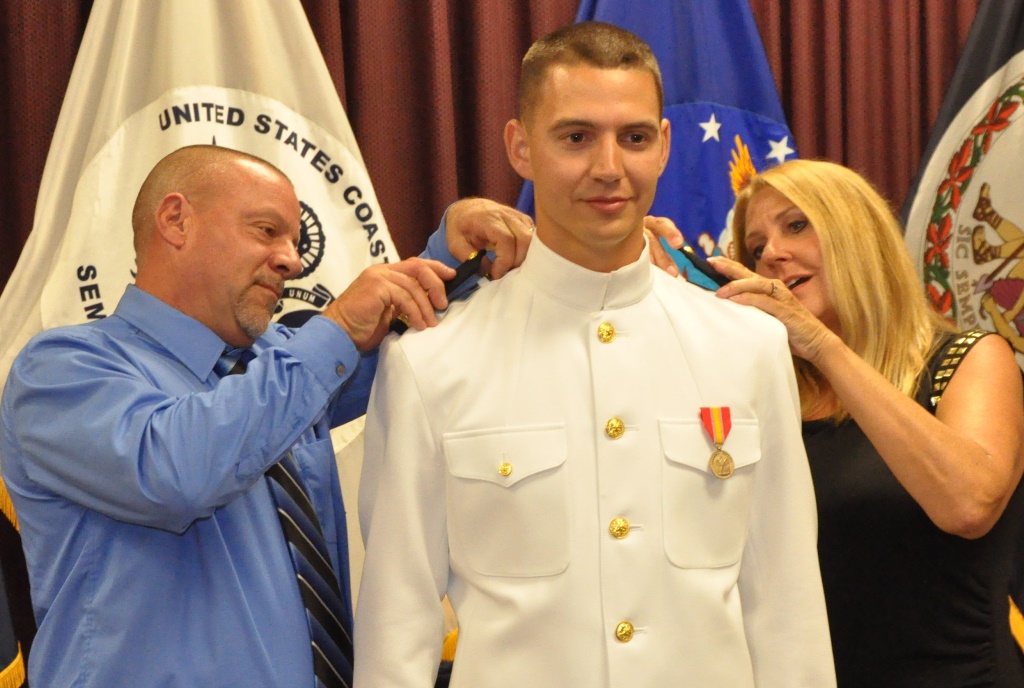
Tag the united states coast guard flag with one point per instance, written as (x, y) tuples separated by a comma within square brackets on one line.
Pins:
[(721, 100), (248, 77), (152, 76), (965, 219)]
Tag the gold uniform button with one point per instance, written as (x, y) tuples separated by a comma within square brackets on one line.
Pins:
[(624, 632), (614, 428), (605, 333), (619, 527), (340, 370), (505, 469)]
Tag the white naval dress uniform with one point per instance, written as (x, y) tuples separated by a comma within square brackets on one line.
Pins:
[(539, 457)]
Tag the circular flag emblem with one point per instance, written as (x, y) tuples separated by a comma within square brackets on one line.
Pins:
[(342, 228), (966, 226)]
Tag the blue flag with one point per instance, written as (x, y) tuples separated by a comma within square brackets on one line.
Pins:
[(965, 213), (722, 103)]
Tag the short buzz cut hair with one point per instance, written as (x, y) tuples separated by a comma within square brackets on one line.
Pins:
[(596, 44), (185, 170)]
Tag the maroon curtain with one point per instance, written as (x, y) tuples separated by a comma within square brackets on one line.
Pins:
[(429, 84), (38, 42), (861, 81)]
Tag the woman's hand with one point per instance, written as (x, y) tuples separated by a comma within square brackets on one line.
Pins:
[(808, 336), (961, 464)]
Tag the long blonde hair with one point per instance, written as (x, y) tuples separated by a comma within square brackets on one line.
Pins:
[(883, 313)]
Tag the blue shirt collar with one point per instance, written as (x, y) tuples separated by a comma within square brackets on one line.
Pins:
[(184, 337)]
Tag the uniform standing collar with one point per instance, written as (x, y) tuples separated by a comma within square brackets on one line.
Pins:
[(585, 289)]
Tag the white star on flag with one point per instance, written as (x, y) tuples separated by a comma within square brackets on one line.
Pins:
[(710, 128), (780, 149)]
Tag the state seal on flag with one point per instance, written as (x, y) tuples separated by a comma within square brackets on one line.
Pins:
[(966, 226)]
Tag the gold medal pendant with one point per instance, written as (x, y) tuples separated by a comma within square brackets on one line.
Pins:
[(721, 464)]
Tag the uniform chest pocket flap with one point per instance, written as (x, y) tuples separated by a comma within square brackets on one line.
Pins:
[(507, 500), (706, 517)]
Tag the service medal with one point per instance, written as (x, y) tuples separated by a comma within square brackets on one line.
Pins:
[(721, 464), (717, 421)]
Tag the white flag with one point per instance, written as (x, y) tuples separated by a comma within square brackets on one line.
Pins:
[(152, 76), (965, 217)]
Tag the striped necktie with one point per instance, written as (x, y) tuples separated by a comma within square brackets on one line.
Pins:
[(329, 626)]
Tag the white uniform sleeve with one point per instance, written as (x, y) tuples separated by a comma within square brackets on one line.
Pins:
[(780, 581), (399, 619)]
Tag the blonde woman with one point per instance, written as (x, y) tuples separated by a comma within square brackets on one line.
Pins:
[(916, 483)]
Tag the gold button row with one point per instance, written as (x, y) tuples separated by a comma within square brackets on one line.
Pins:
[(614, 428)]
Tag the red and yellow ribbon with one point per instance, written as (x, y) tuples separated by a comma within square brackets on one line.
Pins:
[(717, 422)]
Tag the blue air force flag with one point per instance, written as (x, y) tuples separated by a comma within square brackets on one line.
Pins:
[(251, 77), (721, 100), (965, 216)]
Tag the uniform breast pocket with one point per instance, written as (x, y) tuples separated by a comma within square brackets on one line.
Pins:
[(507, 497), (705, 516)]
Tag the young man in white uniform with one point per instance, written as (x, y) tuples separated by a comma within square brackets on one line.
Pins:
[(542, 456)]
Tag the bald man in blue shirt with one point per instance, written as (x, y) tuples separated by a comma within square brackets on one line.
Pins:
[(136, 466)]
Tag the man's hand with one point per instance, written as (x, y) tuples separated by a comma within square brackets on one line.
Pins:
[(413, 288), (662, 227), (475, 224)]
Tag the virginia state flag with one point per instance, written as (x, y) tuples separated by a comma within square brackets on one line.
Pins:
[(720, 97), (152, 76), (966, 213), (964, 216)]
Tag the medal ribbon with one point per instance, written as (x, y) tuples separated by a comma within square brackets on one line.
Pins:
[(717, 422)]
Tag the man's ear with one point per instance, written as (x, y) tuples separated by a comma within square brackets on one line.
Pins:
[(173, 218), (666, 142), (518, 148)]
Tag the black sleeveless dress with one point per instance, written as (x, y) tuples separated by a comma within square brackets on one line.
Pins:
[(909, 606)]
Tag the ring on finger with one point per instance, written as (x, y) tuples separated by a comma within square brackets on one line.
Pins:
[(775, 289)]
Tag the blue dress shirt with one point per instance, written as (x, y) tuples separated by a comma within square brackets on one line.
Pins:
[(155, 553)]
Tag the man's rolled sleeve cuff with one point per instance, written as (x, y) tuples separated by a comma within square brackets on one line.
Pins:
[(325, 348), (437, 244)]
